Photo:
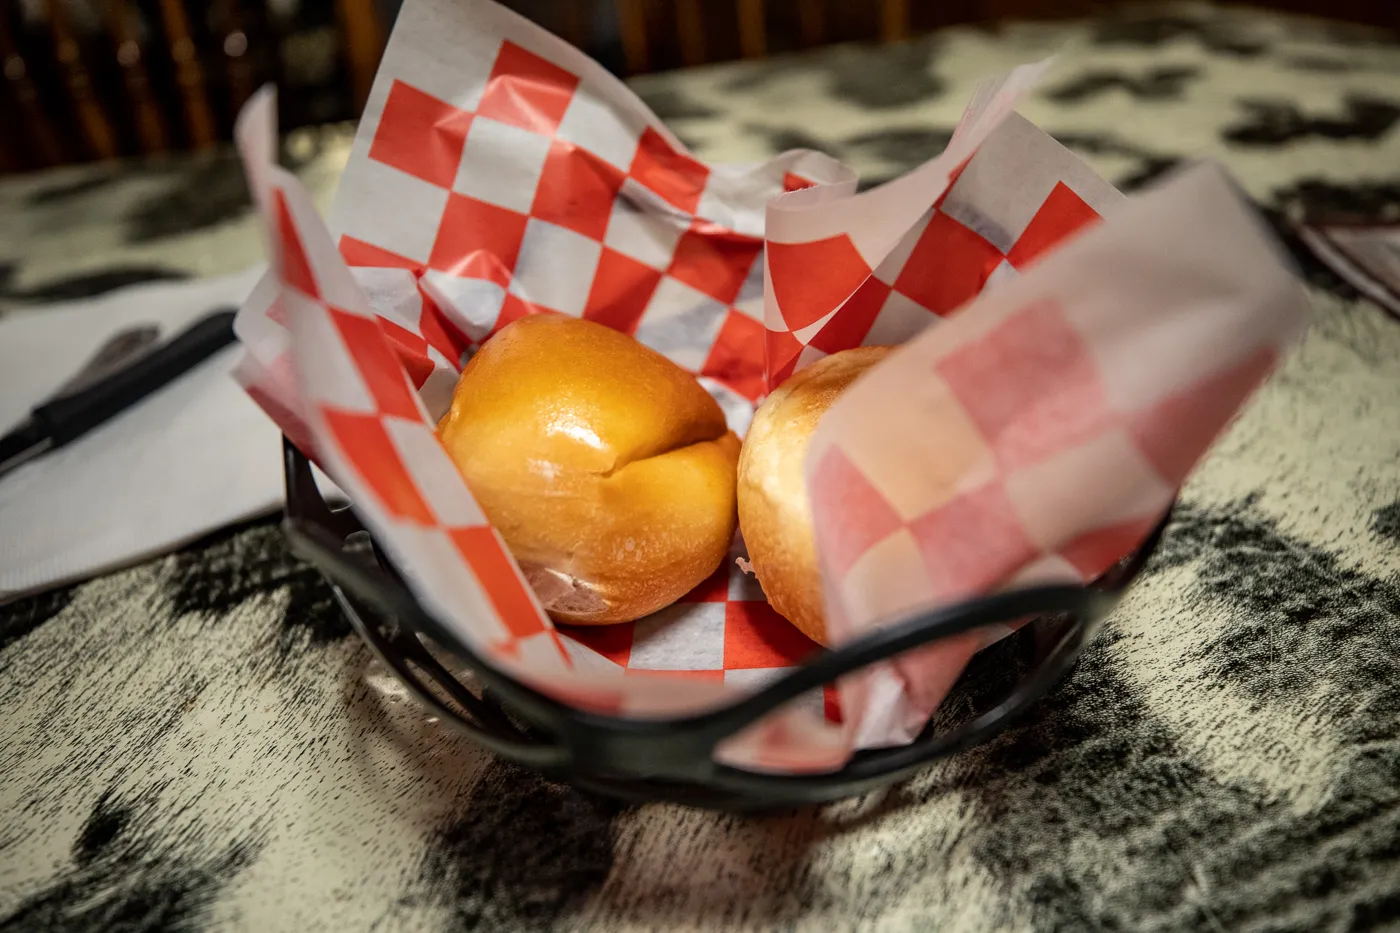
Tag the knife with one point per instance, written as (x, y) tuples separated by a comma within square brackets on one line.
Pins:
[(89, 402)]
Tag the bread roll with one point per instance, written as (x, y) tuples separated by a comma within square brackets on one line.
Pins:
[(775, 515), (607, 469)]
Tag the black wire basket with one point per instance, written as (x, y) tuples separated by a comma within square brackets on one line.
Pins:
[(673, 759)]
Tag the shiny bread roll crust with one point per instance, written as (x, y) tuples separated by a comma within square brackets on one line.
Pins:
[(608, 470), (775, 515)]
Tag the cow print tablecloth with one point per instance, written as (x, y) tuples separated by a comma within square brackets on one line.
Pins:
[(201, 743)]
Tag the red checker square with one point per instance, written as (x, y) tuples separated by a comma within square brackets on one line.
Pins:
[(621, 289), (714, 260), (469, 227), (357, 252), (795, 182), (613, 642), (831, 704), (853, 517), (377, 364), (1030, 386), (1173, 434), (677, 177), (576, 190), (420, 135), (810, 280), (736, 357), (971, 542), (948, 266), (713, 589), (513, 309), (1094, 552), (850, 325), (486, 555), (366, 444), (1063, 214), (781, 350), (295, 267), (411, 349), (439, 331), (527, 91), (756, 637)]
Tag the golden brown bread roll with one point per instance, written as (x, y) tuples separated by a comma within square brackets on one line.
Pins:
[(607, 469), (775, 515)]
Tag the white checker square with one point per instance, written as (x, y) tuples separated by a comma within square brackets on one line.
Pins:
[(641, 226), (391, 209), (681, 323), (750, 300), (393, 294), (434, 474), (918, 454), (501, 164), (328, 375), (808, 356), (1004, 272), (540, 654), (556, 267), (982, 201), (1187, 339), (1057, 499), (736, 195), (715, 208), (601, 129), (892, 265), (437, 390), (681, 637), (474, 305), (738, 411), (752, 680), (443, 51), (887, 582), (900, 320)]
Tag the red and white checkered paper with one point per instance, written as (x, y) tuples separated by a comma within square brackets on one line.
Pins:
[(498, 172)]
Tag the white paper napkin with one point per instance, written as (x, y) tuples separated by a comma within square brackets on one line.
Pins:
[(189, 459)]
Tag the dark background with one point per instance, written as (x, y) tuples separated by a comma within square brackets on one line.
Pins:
[(87, 80)]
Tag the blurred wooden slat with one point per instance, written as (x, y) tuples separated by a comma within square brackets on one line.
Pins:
[(151, 132), (97, 132), (632, 27), (189, 74), (234, 46), (576, 23), (753, 28), (39, 131), (690, 31), (894, 20), (811, 22), (363, 40)]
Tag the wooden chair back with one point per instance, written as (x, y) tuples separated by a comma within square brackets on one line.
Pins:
[(93, 79)]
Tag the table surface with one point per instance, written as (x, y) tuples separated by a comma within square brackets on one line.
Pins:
[(201, 743)]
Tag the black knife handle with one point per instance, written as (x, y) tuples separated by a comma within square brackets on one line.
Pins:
[(71, 416)]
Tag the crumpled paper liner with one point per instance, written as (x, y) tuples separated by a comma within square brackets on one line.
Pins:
[(1032, 435)]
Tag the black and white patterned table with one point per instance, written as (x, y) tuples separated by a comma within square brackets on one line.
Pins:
[(200, 743)]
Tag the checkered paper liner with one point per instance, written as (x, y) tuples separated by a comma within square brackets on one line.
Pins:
[(498, 172)]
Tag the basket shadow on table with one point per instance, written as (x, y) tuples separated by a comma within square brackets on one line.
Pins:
[(515, 837)]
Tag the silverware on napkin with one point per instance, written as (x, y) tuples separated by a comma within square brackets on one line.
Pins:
[(123, 371)]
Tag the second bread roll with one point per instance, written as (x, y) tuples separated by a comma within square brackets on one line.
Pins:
[(775, 515)]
